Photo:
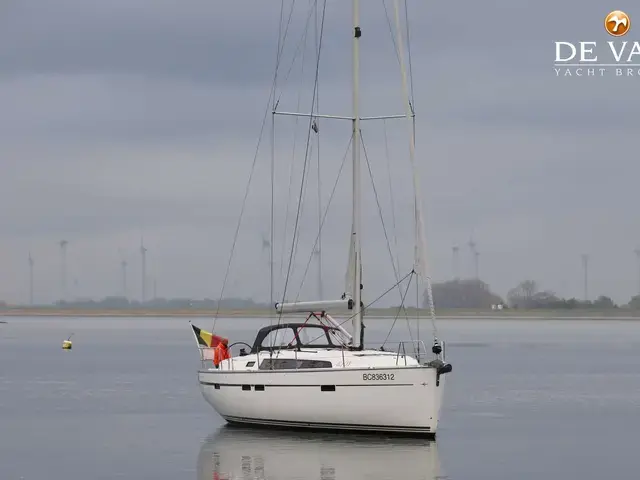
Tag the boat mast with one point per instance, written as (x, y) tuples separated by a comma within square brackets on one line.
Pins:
[(355, 148)]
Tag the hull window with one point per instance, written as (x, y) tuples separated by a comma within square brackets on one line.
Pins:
[(259, 388), (292, 364), (327, 388), (246, 387)]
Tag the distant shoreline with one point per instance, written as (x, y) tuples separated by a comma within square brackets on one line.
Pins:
[(453, 314)]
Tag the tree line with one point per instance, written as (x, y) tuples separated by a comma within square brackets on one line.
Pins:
[(474, 293), (123, 303), (459, 293), (527, 295)]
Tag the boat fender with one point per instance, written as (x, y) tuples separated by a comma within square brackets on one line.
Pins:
[(442, 369)]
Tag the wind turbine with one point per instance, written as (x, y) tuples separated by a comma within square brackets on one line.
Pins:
[(63, 269), (456, 252), (123, 265), (143, 254), (30, 279), (637, 252), (123, 270), (474, 256), (476, 259), (585, 268)]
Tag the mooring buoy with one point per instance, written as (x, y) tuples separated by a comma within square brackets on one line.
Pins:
[(67, 344)]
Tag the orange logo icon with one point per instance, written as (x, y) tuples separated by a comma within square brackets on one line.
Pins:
[(617, 23)]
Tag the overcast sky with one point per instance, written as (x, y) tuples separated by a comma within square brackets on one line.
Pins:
[(121, 119)]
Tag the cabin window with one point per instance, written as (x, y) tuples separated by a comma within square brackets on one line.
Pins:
[(299, 335), (250, 364), (278, 364), (282, 337), (315, 364), (313, 337), (292, 364)]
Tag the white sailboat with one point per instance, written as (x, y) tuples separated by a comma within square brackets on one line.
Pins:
[(235, 453), (316, 374)]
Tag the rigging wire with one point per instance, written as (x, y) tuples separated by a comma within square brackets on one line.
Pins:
[(302, 42), (406, 17), (384, 229), (302, 203), (395, 261), (404, 295), (292, 164), (393, 39), (302, 184), (393, 209), (273, 139), (333, 191), (397, 49), (318, 253), (418, 316), (302, 198), (271, 227), (419, 222), (253, 166), (378, 298), (412, 106), (301, 46), (326, 211)]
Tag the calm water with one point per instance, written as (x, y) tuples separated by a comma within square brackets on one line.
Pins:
[(526, 400)]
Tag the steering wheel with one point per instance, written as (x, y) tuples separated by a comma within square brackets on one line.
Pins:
[(240, 343)]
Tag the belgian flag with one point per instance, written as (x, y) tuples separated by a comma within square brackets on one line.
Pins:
[(204, 338)]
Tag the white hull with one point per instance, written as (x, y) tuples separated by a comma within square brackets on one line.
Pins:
[(234, 453), (393, 399)]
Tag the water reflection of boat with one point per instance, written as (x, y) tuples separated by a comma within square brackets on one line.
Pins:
[(241, 453)]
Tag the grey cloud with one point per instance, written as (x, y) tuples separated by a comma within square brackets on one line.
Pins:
[(125, 117), (141, 37), (90, 107)]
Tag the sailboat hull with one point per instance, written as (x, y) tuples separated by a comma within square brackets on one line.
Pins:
[(402, 400)]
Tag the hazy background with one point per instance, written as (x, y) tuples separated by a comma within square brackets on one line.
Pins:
[(140, 117)]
